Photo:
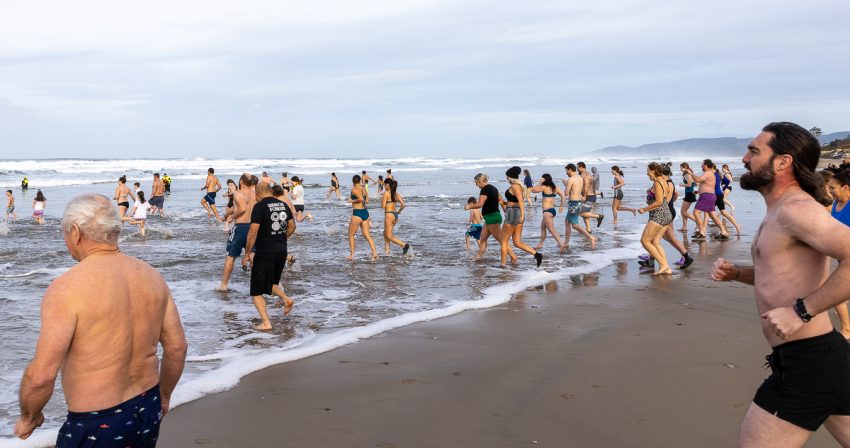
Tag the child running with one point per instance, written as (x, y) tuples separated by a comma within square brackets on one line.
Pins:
[(140, 212)]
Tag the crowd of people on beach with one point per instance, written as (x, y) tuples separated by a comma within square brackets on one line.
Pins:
[(794, 286)]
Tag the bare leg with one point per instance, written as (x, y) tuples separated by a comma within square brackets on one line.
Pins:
[(664, 266), (228, 269), (260, 305), (670, 236), (353, 225), (542, 231), (516, 236), (567, 234), (206, 207), (549, 223), (389, 237), (731, 219), (586, 235), (485, 235), (839, 427), (364, 229), (701, 221), (646, 240), (716, 220), (614, 205), (288, 303), (215, 212), (685, 215), (763, 429)]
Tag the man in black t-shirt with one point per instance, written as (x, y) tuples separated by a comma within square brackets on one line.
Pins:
[(271, 225)]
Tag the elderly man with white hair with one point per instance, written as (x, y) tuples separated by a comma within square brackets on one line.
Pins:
[(101, 324)]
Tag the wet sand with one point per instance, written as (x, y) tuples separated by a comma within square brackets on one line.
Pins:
[(616, 358)]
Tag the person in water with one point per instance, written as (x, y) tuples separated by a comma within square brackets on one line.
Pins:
[(359, 217), (473, 231), (122, 191), (38, 205), (10, 205), (334, 188), (547, 187), (211, 186), (515, 216), (574, 188), (102, 325), (389, 199), (617, 201), (488, 202), (688, 184), (139, 214)]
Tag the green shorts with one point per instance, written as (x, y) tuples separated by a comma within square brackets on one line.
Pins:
[(493, 218)]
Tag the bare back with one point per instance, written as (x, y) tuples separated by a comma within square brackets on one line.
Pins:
[(706, 182), (212, 184), (786, 267), (158, 188), (120, 305), (244, 200), (574, 188)]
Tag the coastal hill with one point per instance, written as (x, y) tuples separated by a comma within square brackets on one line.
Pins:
[(719, 148)]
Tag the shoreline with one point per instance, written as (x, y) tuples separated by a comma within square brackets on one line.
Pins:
[(613, 358)]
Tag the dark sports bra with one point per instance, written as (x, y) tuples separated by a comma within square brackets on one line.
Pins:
[(509, 196), (547, 195)]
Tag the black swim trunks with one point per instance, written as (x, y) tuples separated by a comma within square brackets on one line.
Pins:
[(124, 204), (809, 381), (134, 422), (719, 202), (266, 272)]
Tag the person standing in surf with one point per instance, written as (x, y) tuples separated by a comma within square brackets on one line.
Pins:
[(38, 205), (359, 217), (389, 199), (157, 199), (211, 186), (547, 187), (689, 184), (574, 186), (297, 194), (528, 185)]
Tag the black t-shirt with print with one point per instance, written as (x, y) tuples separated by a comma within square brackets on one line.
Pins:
[(272, 215)]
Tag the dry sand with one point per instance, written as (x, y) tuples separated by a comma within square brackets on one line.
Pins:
[(613, 359)]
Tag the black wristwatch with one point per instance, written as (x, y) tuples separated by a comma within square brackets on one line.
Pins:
[(800, 308)]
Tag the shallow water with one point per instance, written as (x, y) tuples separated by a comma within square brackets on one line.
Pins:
[(338, 302)]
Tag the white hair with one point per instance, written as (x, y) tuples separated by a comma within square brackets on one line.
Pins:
[(481, 177), (96, 217)]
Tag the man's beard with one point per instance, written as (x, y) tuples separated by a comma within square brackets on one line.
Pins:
[(757, 180)]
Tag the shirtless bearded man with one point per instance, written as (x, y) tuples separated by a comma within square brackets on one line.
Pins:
[(810, 380)]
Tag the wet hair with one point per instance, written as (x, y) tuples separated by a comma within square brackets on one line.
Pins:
[(255, 180), (826, 175), (156, 175), (656, 168), (265, 174), (571, 167), (96, 217), (277, 190), (284, 174), (9, 191), (481, 177), (804, 149), (708, 163), (230, 181), (40, 196), (547, 181), (211, 171), (581, 165), (141, 197), (389, 171), (296, 179), (122, 179), (363, 172), (356, 179), (665, 169), (617, 170), (333, 174), (381, 178), (526, 172), (471, 200), (684, 165)]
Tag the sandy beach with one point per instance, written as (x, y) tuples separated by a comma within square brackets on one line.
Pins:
[(616, 358)]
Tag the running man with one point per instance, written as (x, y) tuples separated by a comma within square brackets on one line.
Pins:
[(211, 186), (243, 204), (101, 323), (810, 380), (271, 225), (574, 187), (588, 197), (157, 199), (707, 202)]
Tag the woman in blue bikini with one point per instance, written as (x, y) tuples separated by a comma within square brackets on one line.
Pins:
[(549, 190), (359, 217)]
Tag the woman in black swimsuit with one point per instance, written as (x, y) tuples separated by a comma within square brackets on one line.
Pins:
[(550, 191), (334, 187), (514, 216)]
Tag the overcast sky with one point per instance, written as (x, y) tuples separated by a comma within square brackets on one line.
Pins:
[(384, 78)]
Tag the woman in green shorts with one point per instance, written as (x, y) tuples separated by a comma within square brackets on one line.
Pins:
[(488, 202)]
